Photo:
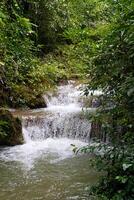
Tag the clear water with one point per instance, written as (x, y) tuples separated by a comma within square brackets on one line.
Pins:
[(45, 167)]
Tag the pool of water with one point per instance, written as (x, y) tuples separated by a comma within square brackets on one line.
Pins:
[(45, 167), (46, 170)]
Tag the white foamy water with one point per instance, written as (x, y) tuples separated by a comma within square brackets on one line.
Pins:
[(45, 167), (53, 131), (66, 95), (52, 149), (63, 117)]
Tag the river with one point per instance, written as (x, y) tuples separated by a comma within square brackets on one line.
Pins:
[(45, 167)]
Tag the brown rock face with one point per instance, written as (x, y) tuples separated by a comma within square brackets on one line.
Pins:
[(10, 129), (37, 102)]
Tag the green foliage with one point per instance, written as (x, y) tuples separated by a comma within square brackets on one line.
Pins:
[(24, 78), (66, 63), (111, 70), (68, 30), (3, 128), (92, 39), (16, 49), (117, 165)]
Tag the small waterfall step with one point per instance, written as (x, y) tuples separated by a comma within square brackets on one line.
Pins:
[(63, 118), (73, 126)]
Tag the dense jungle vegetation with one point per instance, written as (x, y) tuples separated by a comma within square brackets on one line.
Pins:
[(43, 42)]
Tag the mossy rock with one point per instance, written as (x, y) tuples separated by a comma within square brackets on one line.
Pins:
[(29, 100), (10, 129), (36, 102)]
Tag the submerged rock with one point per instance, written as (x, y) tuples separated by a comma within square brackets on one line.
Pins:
[(10, 129)]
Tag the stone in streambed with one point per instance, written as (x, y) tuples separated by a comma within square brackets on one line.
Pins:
[(10, 129), (36, 102)]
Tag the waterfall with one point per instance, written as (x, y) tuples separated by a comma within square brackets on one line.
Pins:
[(49, 132), (63, 118), (57, 126)]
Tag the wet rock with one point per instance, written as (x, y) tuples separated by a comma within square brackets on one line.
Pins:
[(96, 102), (63, 82), (10, 129), (98, 132), (37, 102)]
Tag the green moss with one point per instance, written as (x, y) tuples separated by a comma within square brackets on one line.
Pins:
[(10, 129), (36, 102)]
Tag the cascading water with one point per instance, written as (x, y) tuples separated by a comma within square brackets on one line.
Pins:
[(57, 126), (45, 167), (63, 117)]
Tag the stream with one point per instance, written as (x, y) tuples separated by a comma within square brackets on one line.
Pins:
[(45, 167)]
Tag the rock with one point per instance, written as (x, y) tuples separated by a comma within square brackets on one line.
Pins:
[(63, 81), (10, 129), (95, 103), (37, 102)]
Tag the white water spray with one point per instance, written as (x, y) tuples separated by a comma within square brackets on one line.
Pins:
[(53, 129), (63, 117)]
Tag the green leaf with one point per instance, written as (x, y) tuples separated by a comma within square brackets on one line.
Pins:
[(126, 166)]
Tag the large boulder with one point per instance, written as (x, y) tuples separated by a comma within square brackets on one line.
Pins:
[(10, 129), (36, 102)]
